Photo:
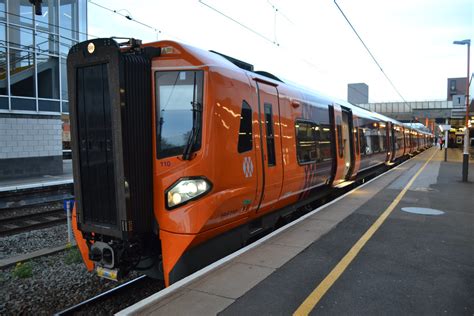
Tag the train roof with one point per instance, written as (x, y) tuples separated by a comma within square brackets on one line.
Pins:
[(213, 58)]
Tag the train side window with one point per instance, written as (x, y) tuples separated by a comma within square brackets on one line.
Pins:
[(383, 139), (356, 140), (393, 138), (339, 136), (373, 139), (400, 140), (270, 136), (245, 132), (306, 142), (324, 143), (365, 148)]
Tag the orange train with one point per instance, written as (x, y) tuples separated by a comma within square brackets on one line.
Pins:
[(181, 155)]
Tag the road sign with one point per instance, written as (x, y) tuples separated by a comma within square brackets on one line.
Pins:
[(68, 204), (459, 101)]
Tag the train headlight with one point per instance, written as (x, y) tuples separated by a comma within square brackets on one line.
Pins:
[(186, 190)]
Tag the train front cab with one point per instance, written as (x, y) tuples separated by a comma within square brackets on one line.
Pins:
[(243, 159), (239, 159), (133, 209)]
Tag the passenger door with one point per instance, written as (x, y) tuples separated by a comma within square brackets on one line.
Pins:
[(343, 137), (356, 151), (270, 141), (347, 142)]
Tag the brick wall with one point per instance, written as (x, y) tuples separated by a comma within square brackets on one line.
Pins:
[(30, 137), (30, 145)]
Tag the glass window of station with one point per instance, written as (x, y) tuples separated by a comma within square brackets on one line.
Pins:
[(33, 52)]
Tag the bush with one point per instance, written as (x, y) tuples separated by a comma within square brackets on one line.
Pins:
[(73, 256), (23, 270)]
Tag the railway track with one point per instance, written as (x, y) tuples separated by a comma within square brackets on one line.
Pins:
[(35, 196), (117, 298), (32, 208), (26, 222)]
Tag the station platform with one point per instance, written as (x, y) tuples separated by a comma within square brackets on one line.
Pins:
[(39, 181), (402, 243)]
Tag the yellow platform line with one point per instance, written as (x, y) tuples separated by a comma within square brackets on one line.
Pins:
[(310, 302)]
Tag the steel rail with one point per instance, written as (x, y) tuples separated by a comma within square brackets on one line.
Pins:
[(30, 221), (102, 296)]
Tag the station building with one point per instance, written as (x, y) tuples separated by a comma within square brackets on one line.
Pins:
[(33, 85)]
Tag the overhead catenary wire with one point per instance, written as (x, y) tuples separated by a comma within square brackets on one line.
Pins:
[(274, 42), (278, 45), (130, 18), (239, 23), (370, 53), (127, 16), (277, 10)]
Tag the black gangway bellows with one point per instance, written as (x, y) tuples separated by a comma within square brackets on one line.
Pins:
[(111, 136)]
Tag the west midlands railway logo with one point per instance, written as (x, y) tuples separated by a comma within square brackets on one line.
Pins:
[(247, 166)]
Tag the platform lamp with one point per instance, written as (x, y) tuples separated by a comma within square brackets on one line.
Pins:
[(465, 157)]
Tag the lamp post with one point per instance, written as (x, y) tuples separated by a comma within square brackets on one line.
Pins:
[(465, 157)]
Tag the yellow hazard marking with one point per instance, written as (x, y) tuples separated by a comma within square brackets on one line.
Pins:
[(310, 302), (107, 273)]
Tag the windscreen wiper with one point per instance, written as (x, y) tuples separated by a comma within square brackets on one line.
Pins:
[(197, 110)]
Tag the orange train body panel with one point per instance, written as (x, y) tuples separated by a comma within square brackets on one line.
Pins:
[(81, 242)]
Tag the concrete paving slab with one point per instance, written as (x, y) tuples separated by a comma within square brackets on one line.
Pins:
[(191, 303), (296, 237), (334, 213), (400, 182), (317, 225), (233, 280), (165, 300), (271, 256)]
